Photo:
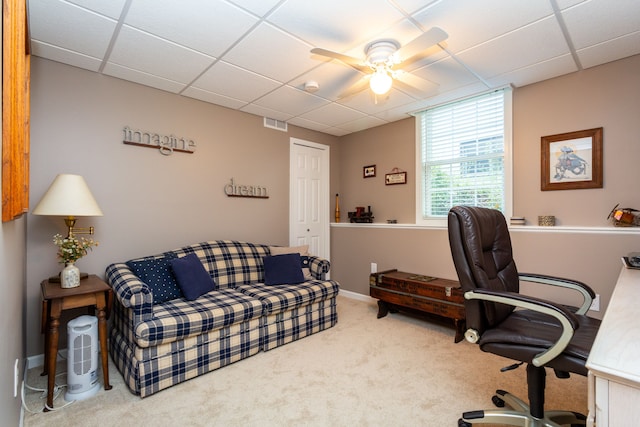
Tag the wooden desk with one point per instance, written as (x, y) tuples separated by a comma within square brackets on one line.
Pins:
[(614, 361), (396, 290), (91, 292)]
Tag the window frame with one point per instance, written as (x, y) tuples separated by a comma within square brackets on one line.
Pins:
[(440, 222)]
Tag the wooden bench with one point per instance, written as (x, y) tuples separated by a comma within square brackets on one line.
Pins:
[(397, 290)]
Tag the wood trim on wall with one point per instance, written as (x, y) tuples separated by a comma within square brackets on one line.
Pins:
[(16, 70)]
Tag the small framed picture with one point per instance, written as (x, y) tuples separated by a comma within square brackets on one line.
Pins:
[(394, 178), (369, 171)]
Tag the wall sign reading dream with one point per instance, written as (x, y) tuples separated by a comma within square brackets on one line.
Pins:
[(252, 191)]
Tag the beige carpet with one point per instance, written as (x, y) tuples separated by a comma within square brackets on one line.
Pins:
[(394, 371)]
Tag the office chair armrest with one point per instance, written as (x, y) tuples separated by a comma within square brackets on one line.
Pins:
[(566, 318), (587, 293)]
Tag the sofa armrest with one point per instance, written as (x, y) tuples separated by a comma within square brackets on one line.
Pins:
[(318, 267), (130, 291)]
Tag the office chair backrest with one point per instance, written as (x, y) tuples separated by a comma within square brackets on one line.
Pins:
[(481, 250)]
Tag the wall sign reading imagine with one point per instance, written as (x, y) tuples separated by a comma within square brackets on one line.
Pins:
[(167, 144)]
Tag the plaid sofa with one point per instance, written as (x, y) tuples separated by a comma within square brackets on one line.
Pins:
[(159, 345)]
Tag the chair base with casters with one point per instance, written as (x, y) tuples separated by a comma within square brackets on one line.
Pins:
[(520, 413)]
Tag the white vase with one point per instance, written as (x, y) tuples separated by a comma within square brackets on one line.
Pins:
[(70, 276)]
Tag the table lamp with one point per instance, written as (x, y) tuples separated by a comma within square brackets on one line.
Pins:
[(69, 197)]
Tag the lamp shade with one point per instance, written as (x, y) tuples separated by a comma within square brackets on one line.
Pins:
[(68, 195)]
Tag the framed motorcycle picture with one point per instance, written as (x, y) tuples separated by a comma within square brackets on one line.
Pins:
[(572, 160)]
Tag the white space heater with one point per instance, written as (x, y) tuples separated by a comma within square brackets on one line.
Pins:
[(82, 358)]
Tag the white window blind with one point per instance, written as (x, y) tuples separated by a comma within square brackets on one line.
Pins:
[(462, 148)]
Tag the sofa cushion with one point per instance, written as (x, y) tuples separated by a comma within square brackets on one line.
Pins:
[(177, 319), (192, 278), (156, 273), (283, 269), (304, 256), (280, 298)]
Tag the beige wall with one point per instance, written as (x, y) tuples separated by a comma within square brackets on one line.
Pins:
[(607, 96), (388, 147), (604, 96), (151, 202), (12, 315)]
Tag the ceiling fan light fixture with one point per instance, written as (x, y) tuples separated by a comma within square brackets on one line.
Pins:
[(380, 82)]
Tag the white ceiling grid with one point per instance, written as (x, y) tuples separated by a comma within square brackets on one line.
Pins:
[(254, 55)]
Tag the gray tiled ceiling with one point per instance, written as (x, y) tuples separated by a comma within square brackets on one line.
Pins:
[(254, 55)]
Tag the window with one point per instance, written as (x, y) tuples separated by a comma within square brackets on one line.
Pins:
[(464, 156)]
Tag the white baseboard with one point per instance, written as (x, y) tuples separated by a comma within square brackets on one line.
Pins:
[(355, 295), (38, 359)]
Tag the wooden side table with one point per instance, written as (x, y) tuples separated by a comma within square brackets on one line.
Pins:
[(91, 292)]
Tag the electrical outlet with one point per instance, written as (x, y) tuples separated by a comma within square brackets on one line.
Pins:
[(16, 377), (374, 267), (595, 304)]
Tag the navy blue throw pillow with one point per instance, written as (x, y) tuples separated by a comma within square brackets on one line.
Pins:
[(193, 278), (282, 269), (156, 273)]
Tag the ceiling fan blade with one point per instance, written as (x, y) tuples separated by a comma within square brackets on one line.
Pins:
[(349, 60), (420, 56), (414, 85), (421, 43), (357, 87)]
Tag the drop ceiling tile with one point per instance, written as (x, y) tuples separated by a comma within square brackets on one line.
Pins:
[(59, 24), (369, 103), (291, 100), (362, 124), (398, 113), (333, 115), (272, 53), (235, 82), (472, 22), (336, 131), (307, 124), (333, 78), (149, 54), (64, 56), (614, 19), (213, 98), (335, 24), (564, 4), (257, 7), (142, 78), (413, 6), (533, 43), (448, 73), (111, 8), (266, 112), (218, 23), (539, 71), (611, 50), (449, 96)]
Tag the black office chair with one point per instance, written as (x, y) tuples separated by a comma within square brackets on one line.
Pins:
[(502, 321)]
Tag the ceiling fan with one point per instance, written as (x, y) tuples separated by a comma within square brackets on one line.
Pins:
[(383, 60)]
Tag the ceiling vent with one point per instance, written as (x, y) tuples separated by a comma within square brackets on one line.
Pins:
[(275, 124)]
